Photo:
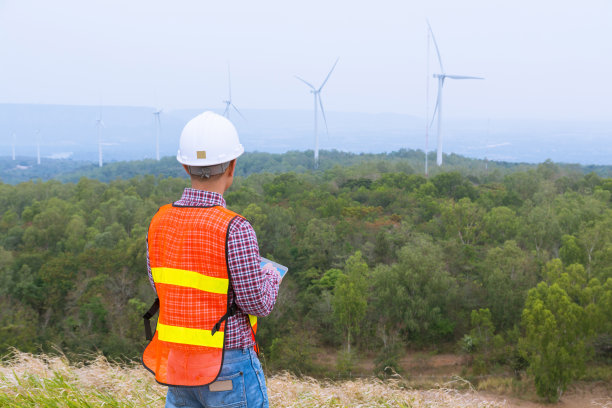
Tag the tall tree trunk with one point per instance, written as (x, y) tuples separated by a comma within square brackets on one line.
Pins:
[(348, 340)]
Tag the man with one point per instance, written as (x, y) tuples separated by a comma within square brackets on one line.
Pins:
[(204, 263)]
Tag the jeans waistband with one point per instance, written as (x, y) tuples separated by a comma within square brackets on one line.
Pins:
[(237, 354)]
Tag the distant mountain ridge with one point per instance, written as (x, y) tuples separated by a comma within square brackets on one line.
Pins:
[(129, 134)]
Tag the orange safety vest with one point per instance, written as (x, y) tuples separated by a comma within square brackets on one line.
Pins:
[(188, 259)]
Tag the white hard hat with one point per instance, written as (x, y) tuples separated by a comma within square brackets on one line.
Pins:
[(208, 139)]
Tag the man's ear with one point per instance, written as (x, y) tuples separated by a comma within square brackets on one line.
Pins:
[(231, 168), (186, 169)]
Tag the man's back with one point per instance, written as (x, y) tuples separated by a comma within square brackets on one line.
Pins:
[(204, 263)]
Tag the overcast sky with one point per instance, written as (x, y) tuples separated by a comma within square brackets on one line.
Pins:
[(542, 59)]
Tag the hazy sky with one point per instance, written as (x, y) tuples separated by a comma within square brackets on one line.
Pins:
[(542, 59)]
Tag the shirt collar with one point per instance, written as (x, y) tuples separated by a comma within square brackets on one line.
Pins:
[(200, 198)]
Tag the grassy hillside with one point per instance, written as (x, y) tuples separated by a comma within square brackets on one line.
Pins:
[(497, 264), (44, 381)]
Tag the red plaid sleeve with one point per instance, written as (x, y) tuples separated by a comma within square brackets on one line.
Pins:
[(255, 289)]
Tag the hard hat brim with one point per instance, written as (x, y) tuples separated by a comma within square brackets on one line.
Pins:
[(223, 158)]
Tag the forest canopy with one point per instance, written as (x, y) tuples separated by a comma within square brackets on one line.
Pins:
[(502, 262)]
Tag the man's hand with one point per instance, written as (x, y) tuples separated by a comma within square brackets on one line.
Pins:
[(271, 268)]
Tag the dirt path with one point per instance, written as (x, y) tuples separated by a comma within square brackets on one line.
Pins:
[(582, 397)]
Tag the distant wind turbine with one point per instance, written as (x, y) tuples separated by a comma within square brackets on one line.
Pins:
[(427, 109), (14, 141), (156, 114), (228, 103), (438, 109), (317, 96), (100, 125)]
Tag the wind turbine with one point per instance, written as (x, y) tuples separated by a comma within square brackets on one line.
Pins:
[(427, 109), (438, 109), (14, 140), (100, 125), (317, 96), (157, 131), (228, 103)]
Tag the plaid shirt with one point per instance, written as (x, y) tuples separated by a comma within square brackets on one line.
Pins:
[(255, 289)]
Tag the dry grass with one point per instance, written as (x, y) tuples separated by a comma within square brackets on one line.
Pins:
[(45, 381), (288, 391)]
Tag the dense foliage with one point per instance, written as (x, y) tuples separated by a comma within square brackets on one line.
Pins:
[(514, 267)]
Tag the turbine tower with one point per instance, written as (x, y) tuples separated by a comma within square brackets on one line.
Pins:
[(228, 103), (157, 131), (100, 125), (427, 109), (438, 109), (317, 96)]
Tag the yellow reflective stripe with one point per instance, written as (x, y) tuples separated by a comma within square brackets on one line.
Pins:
[(186, 335), (253, 320), (190, 279)]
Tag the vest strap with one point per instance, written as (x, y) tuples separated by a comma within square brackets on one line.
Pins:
[(230, 312), (147, 319)]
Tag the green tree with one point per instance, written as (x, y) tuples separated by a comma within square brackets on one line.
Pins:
[(593, 238), (318, 244), (454, 185), (540, 227), (501, 224), (482, 330), (350, 296), (411, 297), (570, 251), (554, 340), (463, 220), (508, 273), (18, 326)]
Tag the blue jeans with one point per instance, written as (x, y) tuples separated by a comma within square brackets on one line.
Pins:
[(243, 369)]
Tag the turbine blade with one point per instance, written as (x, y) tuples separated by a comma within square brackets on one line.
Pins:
[(323, 113), (328, 75), (226, 111), (462, 77), (436, 45), (440, 86), (306, 82), (433, 117), (241, 115)]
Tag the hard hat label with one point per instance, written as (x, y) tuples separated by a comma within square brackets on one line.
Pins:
[(201, 154)]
